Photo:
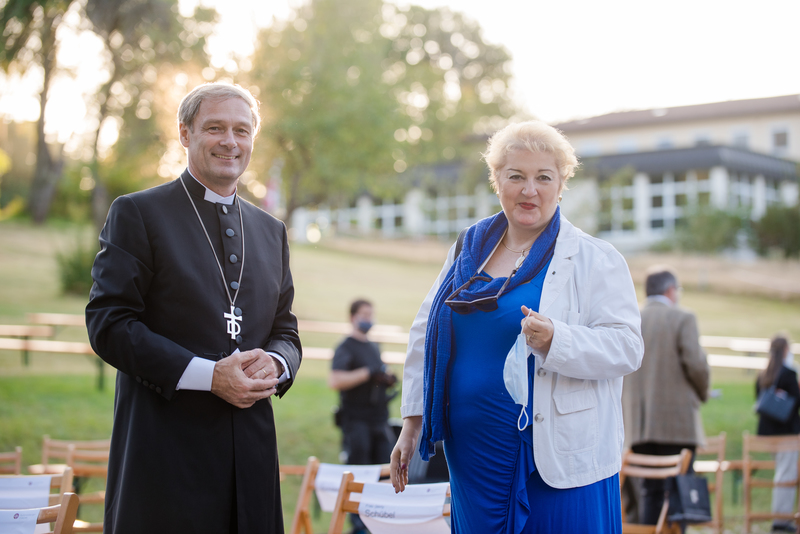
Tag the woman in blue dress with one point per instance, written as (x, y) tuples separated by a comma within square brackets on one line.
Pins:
[(517, 354)]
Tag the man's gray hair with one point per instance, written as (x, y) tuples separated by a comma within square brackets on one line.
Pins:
[(659, 280), (190, 105)]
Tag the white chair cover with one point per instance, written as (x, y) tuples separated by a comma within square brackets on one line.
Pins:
[(19, 492), (329, 478), (417, 510), (18, 521)]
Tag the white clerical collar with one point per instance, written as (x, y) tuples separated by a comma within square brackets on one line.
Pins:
[(660, 298), (211, 196)]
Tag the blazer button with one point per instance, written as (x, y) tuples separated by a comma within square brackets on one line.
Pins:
[(145, 383), (229, 232), (237, 312), (158, 390), (538, 418), (152, 386), (238, 340), (234, 285), (233, 258), (139, 379), (225, 209), (541, 372)]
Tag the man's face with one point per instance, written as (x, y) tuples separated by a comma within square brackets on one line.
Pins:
[(364, 314), (219, 143)]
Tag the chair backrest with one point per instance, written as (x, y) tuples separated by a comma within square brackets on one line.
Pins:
[(301, 521), (56, 453), (11, 462), (62, 514), (88, 462), (653, 467), (61, 483), (765, 444), (348, 501)]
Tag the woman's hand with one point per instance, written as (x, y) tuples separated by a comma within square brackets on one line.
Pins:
[(403, 450), (538, 331)]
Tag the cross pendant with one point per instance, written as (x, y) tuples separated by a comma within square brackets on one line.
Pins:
[(234, 328)]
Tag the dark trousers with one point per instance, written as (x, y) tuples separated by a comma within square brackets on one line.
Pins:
[(651, 498), (366, 444)]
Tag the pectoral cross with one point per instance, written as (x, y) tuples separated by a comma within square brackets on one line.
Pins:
[(233, 327)]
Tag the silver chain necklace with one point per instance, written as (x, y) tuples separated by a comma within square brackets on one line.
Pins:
[(234, 328)]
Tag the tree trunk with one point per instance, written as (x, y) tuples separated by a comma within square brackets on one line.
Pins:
[(49, 168)]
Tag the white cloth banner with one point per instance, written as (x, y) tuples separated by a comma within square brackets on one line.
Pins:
[(24, 492), (417, 510), (329, 478), (18, 521)]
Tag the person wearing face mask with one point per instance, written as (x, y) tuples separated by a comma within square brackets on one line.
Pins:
[(364, 383), (516, 357), (780, 373)]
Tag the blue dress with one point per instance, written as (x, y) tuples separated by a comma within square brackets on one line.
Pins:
[(484, 440)]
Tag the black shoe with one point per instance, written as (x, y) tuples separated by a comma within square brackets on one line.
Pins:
[(783, 528)]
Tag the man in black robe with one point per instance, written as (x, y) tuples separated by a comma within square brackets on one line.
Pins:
[(191, 303)]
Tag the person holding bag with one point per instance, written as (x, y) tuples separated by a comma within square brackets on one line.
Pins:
[(780, 374), (517, 354)]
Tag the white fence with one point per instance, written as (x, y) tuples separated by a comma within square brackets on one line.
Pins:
[(418, 215)]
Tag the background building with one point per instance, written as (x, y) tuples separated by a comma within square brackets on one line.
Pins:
[(643, 171)]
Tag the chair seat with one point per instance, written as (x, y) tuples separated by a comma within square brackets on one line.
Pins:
[(49, 469)]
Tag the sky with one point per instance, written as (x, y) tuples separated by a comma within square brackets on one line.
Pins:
[(580, 58), (571, 58)]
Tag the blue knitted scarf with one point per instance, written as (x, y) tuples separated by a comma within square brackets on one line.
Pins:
[(479, 241)]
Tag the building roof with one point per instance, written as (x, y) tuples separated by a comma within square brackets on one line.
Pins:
[(701, 157), (652, 117)]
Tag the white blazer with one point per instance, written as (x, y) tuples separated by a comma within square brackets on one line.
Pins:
[(589, 296)]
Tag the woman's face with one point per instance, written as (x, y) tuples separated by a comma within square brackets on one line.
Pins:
[(528, 186)]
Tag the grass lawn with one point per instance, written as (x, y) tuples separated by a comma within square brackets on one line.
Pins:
[(56, 394)]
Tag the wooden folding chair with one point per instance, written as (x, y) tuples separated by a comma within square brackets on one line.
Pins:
[(11, 462), (715, 446), (87, 458), (346, 504), (62, 513), (765, 444), (301, 522), (653, 467)]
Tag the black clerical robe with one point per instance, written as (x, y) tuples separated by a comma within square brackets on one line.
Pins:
[(182, 460)]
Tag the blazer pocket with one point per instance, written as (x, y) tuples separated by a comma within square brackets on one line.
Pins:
[(576, 421)]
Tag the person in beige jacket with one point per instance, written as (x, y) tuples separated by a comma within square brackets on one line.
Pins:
[(661, 401)]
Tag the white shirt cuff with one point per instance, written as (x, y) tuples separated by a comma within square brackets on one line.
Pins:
[(285, 376), (197, 375)]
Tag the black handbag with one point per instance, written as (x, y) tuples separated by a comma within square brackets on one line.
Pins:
[(688, 499), (775, 404)]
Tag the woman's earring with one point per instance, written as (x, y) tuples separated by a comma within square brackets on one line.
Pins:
[(559, 198)]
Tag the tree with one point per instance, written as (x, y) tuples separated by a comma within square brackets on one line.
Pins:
[(28, 39), (451, 85), (327, 116), (145, 40), (357, 92)]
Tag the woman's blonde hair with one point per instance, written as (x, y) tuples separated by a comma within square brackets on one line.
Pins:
[(534, 136)]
